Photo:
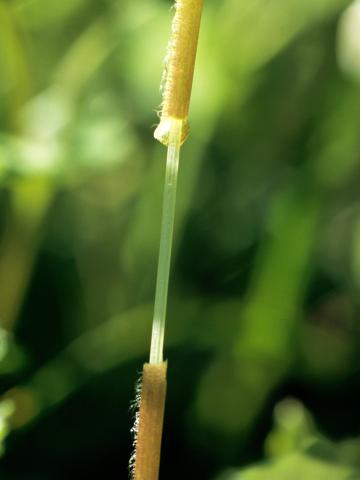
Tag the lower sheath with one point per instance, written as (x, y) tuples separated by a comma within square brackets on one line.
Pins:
[(151, 417)]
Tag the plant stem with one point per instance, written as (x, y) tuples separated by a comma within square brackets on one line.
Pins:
[(167, 228), (150, 422)]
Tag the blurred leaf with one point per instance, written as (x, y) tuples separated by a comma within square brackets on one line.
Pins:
[(12, 357), (356, 253), (349, 40), (296, 466), (6, 410), (293, 430), (258, 30), (335, 146), (300, 453), (36, 13), (15, 73), (84, 57)]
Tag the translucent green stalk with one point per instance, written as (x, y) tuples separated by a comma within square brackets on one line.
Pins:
[(167, 228)]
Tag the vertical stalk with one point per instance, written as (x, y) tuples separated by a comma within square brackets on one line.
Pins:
[(171, 131), (167, 228), (149, 422)]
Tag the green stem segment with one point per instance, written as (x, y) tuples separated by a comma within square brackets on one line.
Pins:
[(167, 228)]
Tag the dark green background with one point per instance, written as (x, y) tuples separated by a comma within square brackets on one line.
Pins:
[(265, 279)]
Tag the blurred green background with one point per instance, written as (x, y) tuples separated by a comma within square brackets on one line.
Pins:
[(263, 335)]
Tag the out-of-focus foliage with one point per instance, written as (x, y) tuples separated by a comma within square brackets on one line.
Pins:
[(266, 266), (298, 451), (348, 41), (6, 410)]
